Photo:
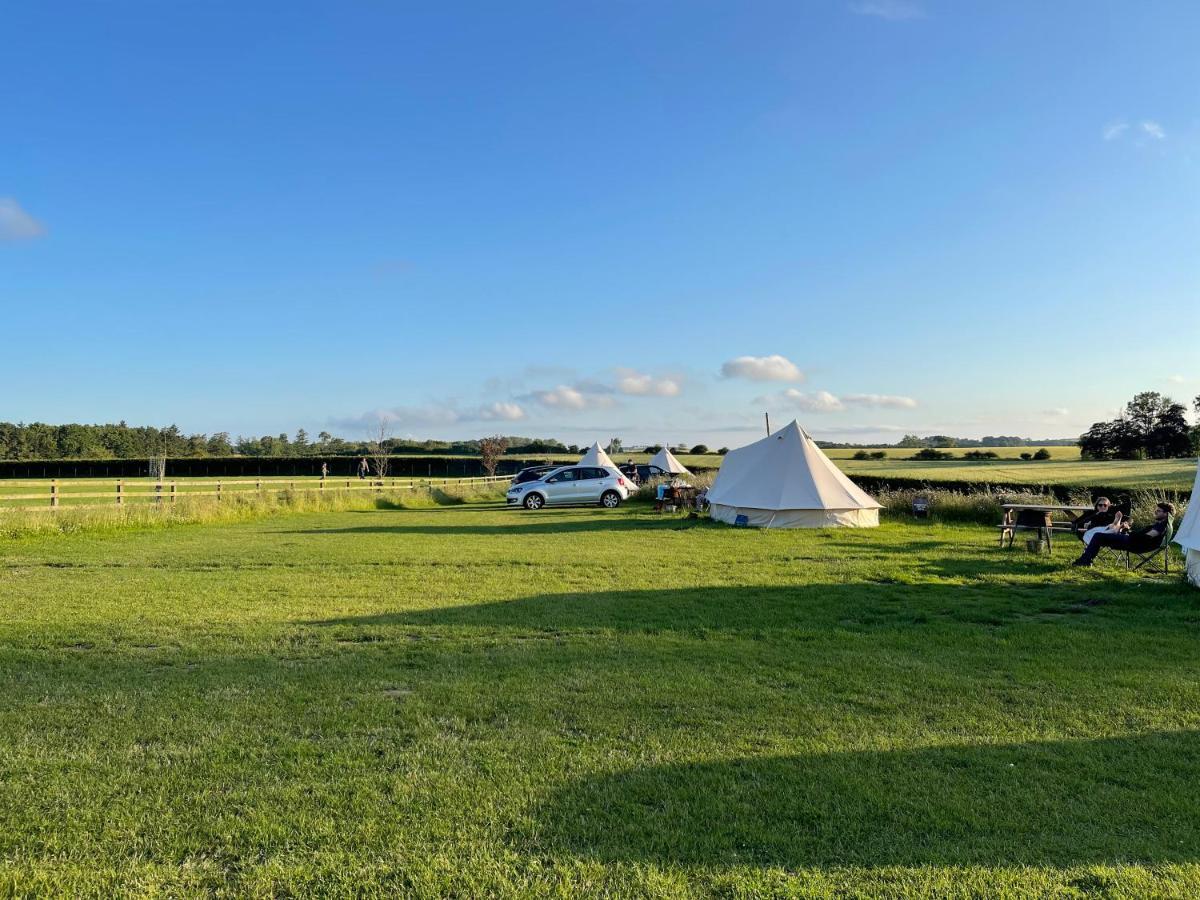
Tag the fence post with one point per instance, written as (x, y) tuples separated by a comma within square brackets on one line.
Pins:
[(258, 485), (218, 492), (172, 493), (54, 492), (322, 484), (120, 492), (158, 494)]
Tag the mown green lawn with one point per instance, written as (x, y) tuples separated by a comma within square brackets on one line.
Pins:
[(466, 701)]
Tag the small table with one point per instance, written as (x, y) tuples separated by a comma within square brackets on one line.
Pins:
[(1037, 517), (683, 496)]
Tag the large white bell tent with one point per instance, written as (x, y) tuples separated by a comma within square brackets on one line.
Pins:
[(1188, 535), (596, 456), (785, 481), (665, 460)]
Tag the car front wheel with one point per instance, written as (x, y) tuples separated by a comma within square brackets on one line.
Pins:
[(610, 500), (534, 501)]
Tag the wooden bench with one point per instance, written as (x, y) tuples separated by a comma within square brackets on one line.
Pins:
[(1036, 517)]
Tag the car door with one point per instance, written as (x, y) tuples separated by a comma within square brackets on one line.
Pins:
[(563, 487), (591, 485)]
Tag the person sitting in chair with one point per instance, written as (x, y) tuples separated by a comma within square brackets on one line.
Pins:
[(1141, 541), (1105, 517)]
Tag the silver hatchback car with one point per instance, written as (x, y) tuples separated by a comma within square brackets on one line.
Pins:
[(572, 485)]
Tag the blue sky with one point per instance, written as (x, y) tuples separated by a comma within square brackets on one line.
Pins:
[(652, 220)]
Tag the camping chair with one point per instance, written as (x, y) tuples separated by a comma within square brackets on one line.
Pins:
[(1150, 557)]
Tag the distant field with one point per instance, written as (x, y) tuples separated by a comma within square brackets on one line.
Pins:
[(1056, 453), (1064, 467)]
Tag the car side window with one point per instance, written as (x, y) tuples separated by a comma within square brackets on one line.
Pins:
[(598, 473), (564, 475)]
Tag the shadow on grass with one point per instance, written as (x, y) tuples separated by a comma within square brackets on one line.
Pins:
[(1119, 800), (526, 523), (811, 608)]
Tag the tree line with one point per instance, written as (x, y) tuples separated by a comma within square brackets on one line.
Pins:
[(1152, 426), (38, 440)]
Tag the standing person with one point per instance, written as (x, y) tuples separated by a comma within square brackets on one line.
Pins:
[(324, 470), (363, 467), (1141, 541)]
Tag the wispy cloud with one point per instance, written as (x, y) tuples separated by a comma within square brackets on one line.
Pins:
[(1153, 130), (892, 10), (762, 368), (825, 402), (1114, 130), (572, 399), (501, 412), (1146, 131), (639, 384), (1057, 412), (886, 401), (16, 224), (817, 401), (434, 415)]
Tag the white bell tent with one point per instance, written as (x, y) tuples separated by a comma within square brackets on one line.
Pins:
[(1188, 535), (665, 460), (596, 456), (785, 481)]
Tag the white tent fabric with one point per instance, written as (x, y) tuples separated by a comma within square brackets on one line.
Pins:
[(785, 481), (666, 461), (1188, 535), (596, 456)]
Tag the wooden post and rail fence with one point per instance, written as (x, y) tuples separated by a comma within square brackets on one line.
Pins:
[(122, 492)]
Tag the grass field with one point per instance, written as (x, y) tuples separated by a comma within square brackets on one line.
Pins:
[(472, 701)]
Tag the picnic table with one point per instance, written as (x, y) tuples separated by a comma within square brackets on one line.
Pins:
[(1038, 517), (676, 498)]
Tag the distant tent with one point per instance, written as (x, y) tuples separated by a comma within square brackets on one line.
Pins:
[(1188, 535), (665, 460), (785, 481), (596, 456)]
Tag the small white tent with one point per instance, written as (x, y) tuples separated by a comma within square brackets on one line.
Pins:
[(596, 456), (665, 460), (785, 481), (1188, 535)]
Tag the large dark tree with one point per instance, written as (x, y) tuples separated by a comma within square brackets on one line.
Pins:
[(1151, 427)]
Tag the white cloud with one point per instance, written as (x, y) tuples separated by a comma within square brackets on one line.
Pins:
[(400, 417), (569, 398), (1058, 412), (762, 368), (892, 10), (16, 224), (630, 381), (887, 401), (825, 402), (1114, 130), (818, 401), (501, 411), (1153, 129), (1176, 379)]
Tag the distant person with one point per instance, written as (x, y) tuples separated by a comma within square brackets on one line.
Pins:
[(324, 470), (1141, 541), (364, 468), (1104, 517)]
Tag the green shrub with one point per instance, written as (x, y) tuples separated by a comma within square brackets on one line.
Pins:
[(927, 453), (1042, 454)]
